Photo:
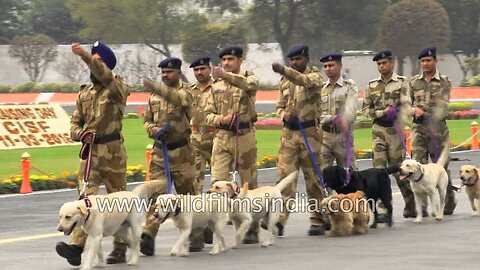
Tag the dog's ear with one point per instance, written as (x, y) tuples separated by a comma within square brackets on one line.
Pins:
[(230, 186), (245, 186), (83, 210)]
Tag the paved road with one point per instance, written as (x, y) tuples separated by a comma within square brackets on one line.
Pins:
[(28, 237)]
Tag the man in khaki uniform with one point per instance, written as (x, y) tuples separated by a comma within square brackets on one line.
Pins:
[(385, 103), (202, 134), (167, 120), (299, 91), (231, 108), (99, 109), (337, 105), (430, 93)]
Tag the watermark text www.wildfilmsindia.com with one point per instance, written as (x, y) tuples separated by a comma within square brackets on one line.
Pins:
[(206, 203)]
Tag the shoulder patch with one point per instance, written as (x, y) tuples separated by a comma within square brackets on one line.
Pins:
[(445, 77), (374, 80)]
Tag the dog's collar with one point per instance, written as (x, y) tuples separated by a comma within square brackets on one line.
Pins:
[(177, 211), (421, 176), (88, 203)]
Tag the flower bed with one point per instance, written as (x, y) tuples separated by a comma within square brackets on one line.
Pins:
[(466, 114)]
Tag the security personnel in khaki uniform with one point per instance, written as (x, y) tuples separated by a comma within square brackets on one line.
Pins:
[(385, 103), (202, 134), (430, 94), (299, 91), (233, 96), (337, 105), (170, 102), (99, 109)]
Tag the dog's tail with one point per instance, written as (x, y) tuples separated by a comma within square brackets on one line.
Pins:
[(442, 160), (150, 188), (285, 182), (392, 169)]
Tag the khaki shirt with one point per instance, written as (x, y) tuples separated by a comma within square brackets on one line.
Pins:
[(381, 94), (172, 105), (236, 93), (433, 96), (299, 93), (199, 103), (99, 108), (338, 99)]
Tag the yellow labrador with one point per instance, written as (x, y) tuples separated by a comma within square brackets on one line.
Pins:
[(426, 181), (469, 175), (262, 203), (191, 212), (121, 212)]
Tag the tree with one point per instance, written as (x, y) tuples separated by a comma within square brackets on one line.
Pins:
[(52, 18), (148, 22), (465, 24), (410, 25), (34, 53), (210, 38), (10, 12), (72, 67)]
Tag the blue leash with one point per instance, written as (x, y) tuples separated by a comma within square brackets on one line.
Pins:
[(312, 157), (166, 163)]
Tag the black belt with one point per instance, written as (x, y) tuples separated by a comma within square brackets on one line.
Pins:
[(107, 138), (293, 125), (330, 128), (423, 120), (241, 125), (383, 123), (173, 145)]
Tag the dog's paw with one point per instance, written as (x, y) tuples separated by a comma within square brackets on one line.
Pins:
[(100, 265), (373, 226), (475, 214), (214, 252), (418, 220), (266, 244)]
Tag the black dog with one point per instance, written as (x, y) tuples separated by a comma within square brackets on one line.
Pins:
[(374, 182)]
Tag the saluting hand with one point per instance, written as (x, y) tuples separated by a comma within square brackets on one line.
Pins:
[(278, 68), (78, 50), (219, 72)]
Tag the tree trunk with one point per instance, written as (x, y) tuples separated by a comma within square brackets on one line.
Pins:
[(400, 60), (460, 64)]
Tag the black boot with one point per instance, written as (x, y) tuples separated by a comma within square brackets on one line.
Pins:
[(251, 238), (407, 213), (207, 236), (196, 247), (147, 245), (72, 253), (116, 257), (316, 230)]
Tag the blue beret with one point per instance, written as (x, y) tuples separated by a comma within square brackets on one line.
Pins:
[(106, 54), (299, 49), (232, 50), (201, 61), (431, 51), (331, 57), (382, 55), (171, 62)]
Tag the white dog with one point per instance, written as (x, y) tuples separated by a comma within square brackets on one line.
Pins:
[(98, 223), (192, 212), (263, 203), (426, 180), (469, 175)]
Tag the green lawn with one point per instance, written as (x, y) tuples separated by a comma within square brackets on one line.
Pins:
[(58, 159)]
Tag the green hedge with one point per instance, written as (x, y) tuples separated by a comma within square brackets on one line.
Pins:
[(471, 81), (459, 106)]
